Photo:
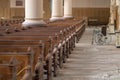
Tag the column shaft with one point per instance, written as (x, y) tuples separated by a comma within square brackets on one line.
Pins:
[(33, 13), (68, 9), (112, 16), (118, 3), (57, 13), (112, 11)]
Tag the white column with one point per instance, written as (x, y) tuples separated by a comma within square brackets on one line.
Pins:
[(68, 9), (57, 13), (111, 14), (118, 13), (113, 2), (33, 13), (112, 19), (117, 2), (112, 11)]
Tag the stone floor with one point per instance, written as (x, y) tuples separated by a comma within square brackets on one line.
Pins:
[(91, 62)]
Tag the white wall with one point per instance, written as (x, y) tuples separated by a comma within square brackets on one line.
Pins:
[(76, 3), (91, 3)]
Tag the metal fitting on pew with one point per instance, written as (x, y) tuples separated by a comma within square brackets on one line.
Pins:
[(28, 74), (39, 71)]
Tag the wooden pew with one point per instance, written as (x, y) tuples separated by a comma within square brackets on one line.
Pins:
[(28, 40), (9, 22), (24, 58), (46, 59), (40, 33), (8, 68), (29, 36)]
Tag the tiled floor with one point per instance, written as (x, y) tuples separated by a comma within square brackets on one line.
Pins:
[(91, 62)]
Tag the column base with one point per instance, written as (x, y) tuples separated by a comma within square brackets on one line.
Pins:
[(68, 17), (33, 23), (57, 19), (111, 28), (118, 39)]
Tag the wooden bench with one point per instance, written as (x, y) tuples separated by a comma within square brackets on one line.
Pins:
[(36, 38), (64, 41), (23, 57), (38, 34), (37, 50), (8, 68)]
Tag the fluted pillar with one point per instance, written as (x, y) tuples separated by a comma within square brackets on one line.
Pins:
[(118, 31), (112, 11), (57, 13), (68, 9), (33, 13), (118, 25), (112, 16), (118, 4)]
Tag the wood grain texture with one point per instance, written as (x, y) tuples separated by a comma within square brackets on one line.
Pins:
[(4, 8), (47, 10), (102, 14)]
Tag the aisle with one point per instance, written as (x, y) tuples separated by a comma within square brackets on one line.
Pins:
[(91, 62)]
